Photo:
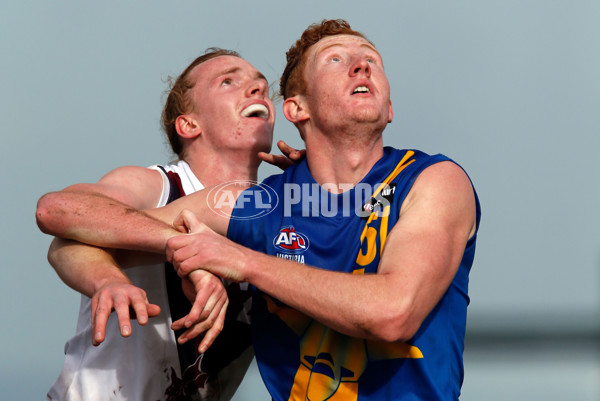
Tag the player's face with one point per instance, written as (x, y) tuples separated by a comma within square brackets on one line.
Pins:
[(346, 81), (232, 105)]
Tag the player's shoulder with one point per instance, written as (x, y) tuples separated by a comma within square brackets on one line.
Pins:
[(137, 186), (443, 188), (130, 172), (444, 176)]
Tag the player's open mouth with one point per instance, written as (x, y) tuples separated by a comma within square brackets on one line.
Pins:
[(256, 110), (361, 89)]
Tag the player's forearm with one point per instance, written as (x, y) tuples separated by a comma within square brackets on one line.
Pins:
[(100, 220), (82, 267), (364, 306)]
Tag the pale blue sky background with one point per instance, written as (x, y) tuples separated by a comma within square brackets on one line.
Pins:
[(510, 90)]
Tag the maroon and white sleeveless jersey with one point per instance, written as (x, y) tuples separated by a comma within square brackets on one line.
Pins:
[(150, 365)]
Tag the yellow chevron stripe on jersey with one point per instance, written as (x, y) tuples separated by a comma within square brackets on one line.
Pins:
[(399, 167), (402, 164)]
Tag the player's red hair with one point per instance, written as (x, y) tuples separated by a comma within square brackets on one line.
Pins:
[(292, 80)]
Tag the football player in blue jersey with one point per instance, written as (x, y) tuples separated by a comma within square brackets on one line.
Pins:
[(378, 309)]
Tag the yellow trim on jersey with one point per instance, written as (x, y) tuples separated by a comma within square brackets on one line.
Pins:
[(399, 167)]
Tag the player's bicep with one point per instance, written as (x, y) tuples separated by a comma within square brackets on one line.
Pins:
[(424, 249)]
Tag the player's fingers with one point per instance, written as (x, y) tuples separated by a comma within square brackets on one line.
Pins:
[(179, 224), (266, 157), (216, 317), (209, 306), (188, 220), (211, 297), (210, 291), (140, 309), (277, 160), (153, 310), (194, 331), (198, 306), (290, 152), (178, 324), (284, 147), (283, 162), (122, 309), (94, 305), (100, 314), (181, 255), (298, 155), (215, 330)]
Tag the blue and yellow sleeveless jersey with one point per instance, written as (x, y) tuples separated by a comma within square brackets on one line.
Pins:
[(301, 359)]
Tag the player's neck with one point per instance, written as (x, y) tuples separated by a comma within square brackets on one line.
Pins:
[(342, 161), (212, 169)]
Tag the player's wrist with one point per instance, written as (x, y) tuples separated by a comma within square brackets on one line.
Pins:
[(108, 280), (251, 266)]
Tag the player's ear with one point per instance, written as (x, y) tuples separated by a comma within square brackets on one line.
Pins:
[(295, 110), (187, 126), (391, 115)]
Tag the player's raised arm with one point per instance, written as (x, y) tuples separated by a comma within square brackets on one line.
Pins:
[(96, 219)]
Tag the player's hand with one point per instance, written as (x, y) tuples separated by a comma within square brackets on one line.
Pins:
[(126, 299), (290, 156), (209, 306), (205, 249)]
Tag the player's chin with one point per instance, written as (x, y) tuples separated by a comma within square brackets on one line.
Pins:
[(263, 139)]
